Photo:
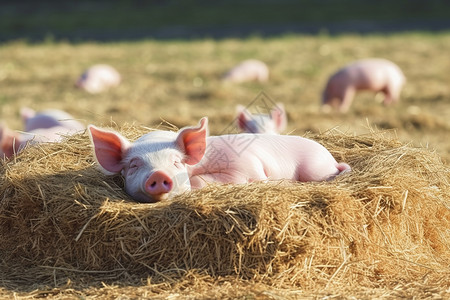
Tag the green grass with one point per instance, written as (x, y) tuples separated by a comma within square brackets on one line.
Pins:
[(161, 81)]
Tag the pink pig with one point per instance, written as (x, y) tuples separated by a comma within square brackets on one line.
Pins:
[(98, 78), (375, 74), (40, 127), (161, 164), (273, 123), (49, 118), (248, 70)]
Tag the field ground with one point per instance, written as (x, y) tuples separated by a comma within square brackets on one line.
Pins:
[(179, 82)]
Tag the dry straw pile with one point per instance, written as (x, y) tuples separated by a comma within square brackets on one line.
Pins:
[(387, 222)]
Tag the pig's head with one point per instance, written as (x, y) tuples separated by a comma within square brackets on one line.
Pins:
[(274, 122), (90, 83), (155, 167)]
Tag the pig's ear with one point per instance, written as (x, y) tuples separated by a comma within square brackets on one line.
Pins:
[(192, 141), (109, 149), (243, 117), (27, 113), (278, 115)]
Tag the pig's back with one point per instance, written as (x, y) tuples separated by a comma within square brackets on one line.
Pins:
[(262, 156), (375, 71), (52, 118)]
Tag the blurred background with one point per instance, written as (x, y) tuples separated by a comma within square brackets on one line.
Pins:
[(104, 20), (172, 55)]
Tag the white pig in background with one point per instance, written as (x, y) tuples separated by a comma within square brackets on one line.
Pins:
[(40, 127), (248, 70), (98, 78), (49, 118), (161, 164), (274, 122), (374, 74)]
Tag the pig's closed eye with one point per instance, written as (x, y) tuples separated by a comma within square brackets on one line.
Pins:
[(178, 164), (133, 167)]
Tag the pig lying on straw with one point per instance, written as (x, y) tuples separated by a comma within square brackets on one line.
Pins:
[(246, 71), (44, 126), (161, 164), (98, 78)]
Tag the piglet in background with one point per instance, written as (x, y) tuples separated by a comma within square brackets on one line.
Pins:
[(98, 78), (49, 118), (40, 127), (161, 164), (273, 122), (248, 70), (375, 74)]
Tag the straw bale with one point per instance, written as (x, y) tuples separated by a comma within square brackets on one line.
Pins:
[(385, 222)]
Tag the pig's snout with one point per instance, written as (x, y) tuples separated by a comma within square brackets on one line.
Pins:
[(158, 185)]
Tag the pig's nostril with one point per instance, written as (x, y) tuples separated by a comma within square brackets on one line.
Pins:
[(153, 184), (167, 184)]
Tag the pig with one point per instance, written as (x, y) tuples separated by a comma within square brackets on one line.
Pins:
[(49, 118), (248, 70), (161, 164), (374, 74), (274, 122), (40, 127), (98, 78), (12, 142)]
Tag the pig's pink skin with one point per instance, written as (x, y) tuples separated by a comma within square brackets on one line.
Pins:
[(267, 157), (50, 118), (9, 141), (248, 70), (377, 75), (98, 78), (274, 122), (40, 127), (192, 160), (44, 135), (12, 142)]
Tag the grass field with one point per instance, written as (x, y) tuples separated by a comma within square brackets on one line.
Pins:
[(179, 81)]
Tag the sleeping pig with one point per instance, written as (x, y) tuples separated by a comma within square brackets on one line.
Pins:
[(98, 78), (40, 127), (161, 164), (247, 70)]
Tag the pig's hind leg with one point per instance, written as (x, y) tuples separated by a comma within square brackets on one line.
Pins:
[(321, 169), (341, 168)]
